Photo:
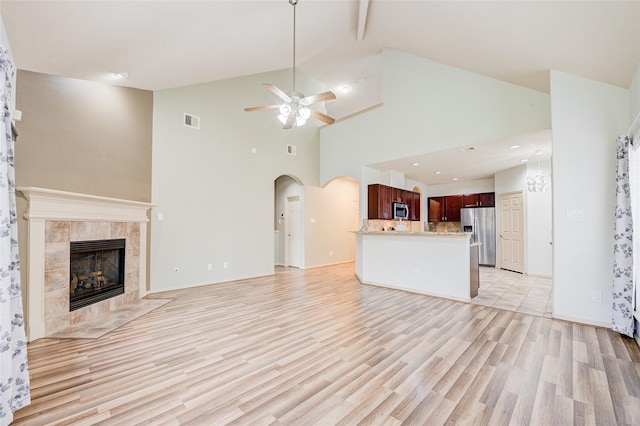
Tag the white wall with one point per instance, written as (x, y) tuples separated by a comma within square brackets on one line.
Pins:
[(634, 92), (470, 187), (587, 118), (216, 196), (428, 107), (331, 216)]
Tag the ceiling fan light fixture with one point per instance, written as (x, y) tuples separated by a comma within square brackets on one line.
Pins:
[(300, 121), (294, 109), (285, 110)]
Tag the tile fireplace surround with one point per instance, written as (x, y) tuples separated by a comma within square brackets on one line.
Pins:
[(55, 218)]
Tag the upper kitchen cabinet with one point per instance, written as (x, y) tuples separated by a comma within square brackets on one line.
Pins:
[(381, 198), (445, 209), (485, 199), (379, 202), (470, 200), (452, 206), (436, 209), (413, 200)]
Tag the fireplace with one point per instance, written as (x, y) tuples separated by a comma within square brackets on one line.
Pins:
[(97, 271), (57, 218)]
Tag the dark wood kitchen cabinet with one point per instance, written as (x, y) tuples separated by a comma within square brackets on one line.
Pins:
[(436, 209), (413, 201), (445, 209), (381, 198), (379, 205), (470, 200), (485, 199)]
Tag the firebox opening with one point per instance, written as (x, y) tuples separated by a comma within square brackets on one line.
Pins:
[(96, 271)]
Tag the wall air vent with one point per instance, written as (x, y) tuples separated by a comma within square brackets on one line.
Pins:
[(291, 149), (192, 121)]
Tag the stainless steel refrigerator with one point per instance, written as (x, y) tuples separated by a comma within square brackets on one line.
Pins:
[(481, 222)]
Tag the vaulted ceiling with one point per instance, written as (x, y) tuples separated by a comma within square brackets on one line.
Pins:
[(163, 44)]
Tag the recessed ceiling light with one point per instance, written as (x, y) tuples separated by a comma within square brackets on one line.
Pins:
[(415, 164), (437, 173), (514, 146), (345, 89), (120, 74), (524, 160), (455, 178)]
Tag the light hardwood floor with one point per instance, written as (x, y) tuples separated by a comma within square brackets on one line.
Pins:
[(316, 347)]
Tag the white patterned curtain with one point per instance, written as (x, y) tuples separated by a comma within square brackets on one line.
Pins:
[(623, 282), (14, 373)]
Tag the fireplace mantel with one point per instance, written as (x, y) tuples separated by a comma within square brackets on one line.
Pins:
[(53, 205)]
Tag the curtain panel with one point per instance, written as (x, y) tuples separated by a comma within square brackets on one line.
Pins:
[(14, 372), (623, 280)]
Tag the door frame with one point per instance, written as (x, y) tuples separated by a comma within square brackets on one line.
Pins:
[(287, 224), (499, 230)]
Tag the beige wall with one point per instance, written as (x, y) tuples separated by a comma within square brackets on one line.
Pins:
[(85, 137), (81, 136)]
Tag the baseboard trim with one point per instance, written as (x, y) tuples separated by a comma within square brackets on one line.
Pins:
[(582, 321)]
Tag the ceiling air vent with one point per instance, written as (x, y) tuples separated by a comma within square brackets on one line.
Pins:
[(192, 121), (291, 149)]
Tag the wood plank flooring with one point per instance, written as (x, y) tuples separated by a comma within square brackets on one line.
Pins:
[(317, 347)]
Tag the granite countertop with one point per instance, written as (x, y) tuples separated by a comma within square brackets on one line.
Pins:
[(417, 234)]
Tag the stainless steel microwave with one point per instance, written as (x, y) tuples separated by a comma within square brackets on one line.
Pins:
[(400, 211)]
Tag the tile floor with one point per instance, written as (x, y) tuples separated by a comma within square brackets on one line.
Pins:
[(110, 320), (512, 291)]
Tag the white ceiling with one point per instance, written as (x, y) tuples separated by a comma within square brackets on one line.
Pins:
[(165, 44)]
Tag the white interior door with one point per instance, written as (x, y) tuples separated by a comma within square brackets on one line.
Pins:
[(293, 246), (510, 236)]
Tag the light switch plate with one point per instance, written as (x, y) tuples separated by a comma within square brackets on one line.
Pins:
[(575, 213)]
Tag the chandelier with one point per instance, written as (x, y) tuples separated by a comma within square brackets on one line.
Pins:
[(539, 181)]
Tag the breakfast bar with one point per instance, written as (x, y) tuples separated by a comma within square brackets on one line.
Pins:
[(443, 264)]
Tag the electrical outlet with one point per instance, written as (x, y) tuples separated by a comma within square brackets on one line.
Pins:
[(597, 296), (225, 265), (209, 267), (331, 253)]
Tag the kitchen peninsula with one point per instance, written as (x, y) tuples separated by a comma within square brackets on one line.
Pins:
[(443, 264)]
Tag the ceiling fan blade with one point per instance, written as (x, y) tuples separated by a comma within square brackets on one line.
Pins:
[(326, 96), (322, 117), (279, 93), (259, 108), (290, 120)]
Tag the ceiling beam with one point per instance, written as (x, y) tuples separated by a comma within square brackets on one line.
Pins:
[(362, 18)]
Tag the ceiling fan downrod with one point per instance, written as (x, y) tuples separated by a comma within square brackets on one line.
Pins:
[(294, 3)]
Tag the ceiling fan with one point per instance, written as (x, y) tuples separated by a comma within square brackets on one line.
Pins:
[(294, 109)]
